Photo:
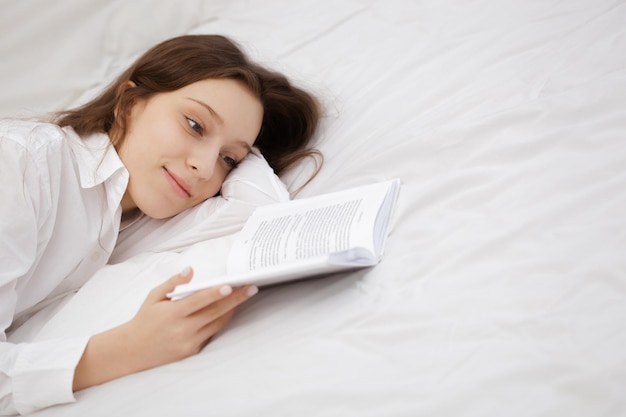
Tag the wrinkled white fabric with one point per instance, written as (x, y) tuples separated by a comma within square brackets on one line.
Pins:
[(502, 289)]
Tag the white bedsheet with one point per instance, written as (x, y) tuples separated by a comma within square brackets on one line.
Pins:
[(503, 286)]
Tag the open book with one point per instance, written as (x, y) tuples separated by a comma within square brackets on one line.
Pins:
[(307, 237)]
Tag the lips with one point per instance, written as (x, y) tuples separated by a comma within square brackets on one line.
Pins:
[(179, 185)]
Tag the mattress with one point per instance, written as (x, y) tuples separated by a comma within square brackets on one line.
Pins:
[(502, 290)]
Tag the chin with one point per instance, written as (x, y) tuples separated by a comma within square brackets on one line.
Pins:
[(158, 213)]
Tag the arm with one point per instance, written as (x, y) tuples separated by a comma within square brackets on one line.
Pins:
[(32, 375), (163, 331)]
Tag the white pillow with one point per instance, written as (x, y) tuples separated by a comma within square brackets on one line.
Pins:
[(251, 184)]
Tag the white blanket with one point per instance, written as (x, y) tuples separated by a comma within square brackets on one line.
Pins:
[(503, 286)]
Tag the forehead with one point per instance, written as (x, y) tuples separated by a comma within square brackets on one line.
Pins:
[(222, 89), (228, 101)]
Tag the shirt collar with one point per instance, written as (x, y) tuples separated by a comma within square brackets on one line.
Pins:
[(98, 163), (95, 156)]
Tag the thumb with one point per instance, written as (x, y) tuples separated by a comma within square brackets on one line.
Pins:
[(160, 292)]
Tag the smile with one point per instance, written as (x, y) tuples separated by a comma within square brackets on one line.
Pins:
[(179, 186)]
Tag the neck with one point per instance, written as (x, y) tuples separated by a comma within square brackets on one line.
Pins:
[(128, 205)]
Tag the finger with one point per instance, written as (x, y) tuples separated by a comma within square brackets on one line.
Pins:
[(160, 292), (201, 299), (220, 307)]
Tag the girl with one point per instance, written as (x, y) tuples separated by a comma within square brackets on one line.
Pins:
[(179, 120)]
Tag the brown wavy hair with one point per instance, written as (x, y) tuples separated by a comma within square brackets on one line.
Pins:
[(290, 115)]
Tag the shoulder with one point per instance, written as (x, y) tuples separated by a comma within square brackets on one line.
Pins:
[(33, 151), (30, 134), (26, 141), (30, 156)]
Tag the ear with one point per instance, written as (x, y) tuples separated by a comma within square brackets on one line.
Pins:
[(120, 90), (126, 85)]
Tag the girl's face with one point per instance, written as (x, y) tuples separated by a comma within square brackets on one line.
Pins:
[(180, 145)]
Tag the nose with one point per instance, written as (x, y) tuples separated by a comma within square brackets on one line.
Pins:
[(202, 159)]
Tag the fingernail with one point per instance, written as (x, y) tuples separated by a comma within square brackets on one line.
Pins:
[(252, 290), (186, 270), (225, 290)]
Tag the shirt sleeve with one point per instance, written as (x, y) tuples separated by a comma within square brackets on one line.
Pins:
[(32, 375), (38, 375)]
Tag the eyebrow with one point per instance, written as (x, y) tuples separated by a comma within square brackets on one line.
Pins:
[(209, 108), (220, 121)]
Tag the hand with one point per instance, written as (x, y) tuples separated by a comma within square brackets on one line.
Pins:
[(169, 330), (161, 332)]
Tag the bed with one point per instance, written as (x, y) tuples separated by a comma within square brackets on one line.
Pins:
[(502, 290)]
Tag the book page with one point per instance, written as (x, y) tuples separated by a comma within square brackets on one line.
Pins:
[(308, 228)]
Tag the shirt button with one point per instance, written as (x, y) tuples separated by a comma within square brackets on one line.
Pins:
[(95, 257)]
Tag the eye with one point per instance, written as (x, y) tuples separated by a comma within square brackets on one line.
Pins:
[(195, 126), (232, 163)]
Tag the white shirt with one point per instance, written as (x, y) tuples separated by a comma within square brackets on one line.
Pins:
[(59, 220)]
